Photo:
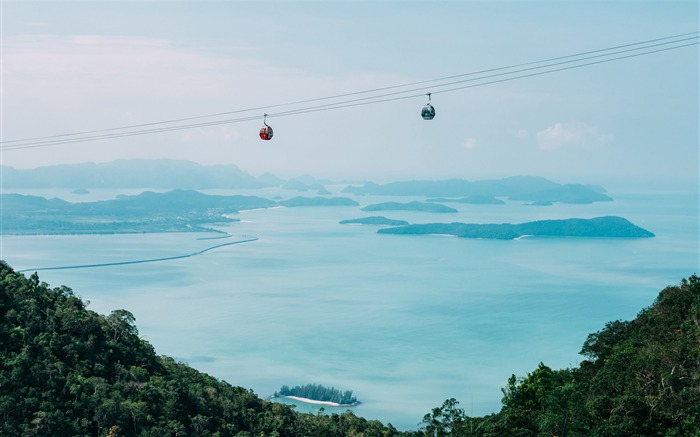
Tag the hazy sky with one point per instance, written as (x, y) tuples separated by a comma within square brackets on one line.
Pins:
[(91, 65)]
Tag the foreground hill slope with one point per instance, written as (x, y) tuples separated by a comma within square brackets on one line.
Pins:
[(68, 371)]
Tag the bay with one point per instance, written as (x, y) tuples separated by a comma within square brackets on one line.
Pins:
[(404, 321)]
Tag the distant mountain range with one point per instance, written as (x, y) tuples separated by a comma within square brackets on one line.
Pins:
[(136, 173), (173, 174)]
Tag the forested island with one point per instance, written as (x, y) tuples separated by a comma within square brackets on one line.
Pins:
[(68, 371), (601, 227), (319, 393)]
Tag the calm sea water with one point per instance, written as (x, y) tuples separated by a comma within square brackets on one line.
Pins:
[(404, 321)]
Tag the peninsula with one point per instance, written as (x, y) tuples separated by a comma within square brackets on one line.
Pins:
[(172, 211)]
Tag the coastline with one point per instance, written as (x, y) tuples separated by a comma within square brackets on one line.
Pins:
[(313, 401)]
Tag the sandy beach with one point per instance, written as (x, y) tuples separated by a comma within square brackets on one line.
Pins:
[(312, 401)]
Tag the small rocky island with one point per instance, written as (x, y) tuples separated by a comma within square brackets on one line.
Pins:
[(318, 394), (599, 227), (374, 220), (410, 206)]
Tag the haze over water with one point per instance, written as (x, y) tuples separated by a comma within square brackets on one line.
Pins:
[(404, 321)]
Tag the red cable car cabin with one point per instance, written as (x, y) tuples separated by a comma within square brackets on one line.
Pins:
[(266, 133)]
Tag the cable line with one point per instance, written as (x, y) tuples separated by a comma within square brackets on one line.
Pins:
[(258, 108), (142, 129)]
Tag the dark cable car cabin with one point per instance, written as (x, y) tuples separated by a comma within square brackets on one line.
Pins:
[(428, 112), (265, 131)]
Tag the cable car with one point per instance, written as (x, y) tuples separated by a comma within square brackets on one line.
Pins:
[(428, 112), (265, 131)]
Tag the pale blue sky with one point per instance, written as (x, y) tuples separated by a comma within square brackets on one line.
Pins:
[(76, 66)]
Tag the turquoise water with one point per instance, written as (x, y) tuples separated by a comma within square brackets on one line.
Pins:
[(403, 321)]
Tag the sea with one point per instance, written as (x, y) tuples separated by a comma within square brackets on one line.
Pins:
[(405, 322)]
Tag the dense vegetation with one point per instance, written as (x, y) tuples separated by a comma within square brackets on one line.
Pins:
[(319, 392), (68, 371)]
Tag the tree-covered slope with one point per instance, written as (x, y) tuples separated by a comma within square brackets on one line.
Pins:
[(68, 371)]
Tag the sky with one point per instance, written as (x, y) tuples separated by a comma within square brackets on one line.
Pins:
[(94, 65)]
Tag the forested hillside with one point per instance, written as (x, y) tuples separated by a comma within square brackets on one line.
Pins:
[(639, 378), (68, 371)]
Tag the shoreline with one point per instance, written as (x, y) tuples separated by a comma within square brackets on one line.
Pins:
[(315, 402)]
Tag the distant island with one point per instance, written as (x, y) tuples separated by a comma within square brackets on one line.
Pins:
[(318, 394), (318, 201), (374, 220), (80, 191), (528, 188), (600, 227), (410, 206)]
